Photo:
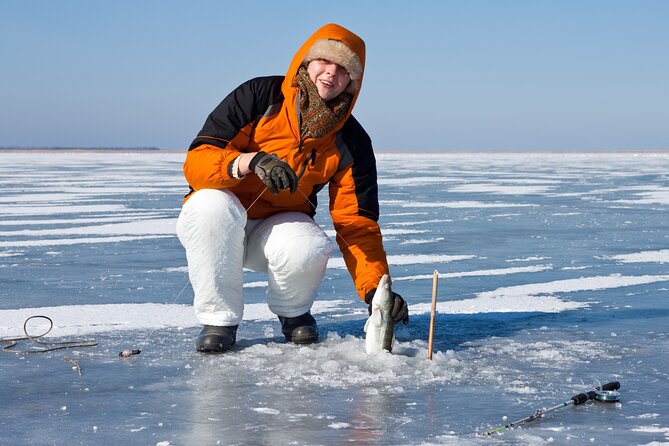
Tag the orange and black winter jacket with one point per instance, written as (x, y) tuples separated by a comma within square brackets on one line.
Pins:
[(262, 114)]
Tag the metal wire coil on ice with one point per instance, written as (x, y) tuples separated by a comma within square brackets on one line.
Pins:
[(47, 346)]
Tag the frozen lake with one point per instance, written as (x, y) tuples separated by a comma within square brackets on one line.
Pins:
[(554, 274)]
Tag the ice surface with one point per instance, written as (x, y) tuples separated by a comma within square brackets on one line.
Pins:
[(552, 275)]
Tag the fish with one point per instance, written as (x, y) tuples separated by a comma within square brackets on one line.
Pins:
[(380, 327)]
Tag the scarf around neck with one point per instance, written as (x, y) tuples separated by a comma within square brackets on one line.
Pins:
[(318, 117)]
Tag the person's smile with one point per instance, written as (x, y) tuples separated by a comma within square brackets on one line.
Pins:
[(330, 78)]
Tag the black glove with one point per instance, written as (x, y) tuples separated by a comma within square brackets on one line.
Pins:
[(275, 173), (399, 310)]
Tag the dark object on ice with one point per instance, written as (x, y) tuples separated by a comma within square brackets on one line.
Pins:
[(300, 329), (215, 339), (46, 346), (127, 353), (607, 392)]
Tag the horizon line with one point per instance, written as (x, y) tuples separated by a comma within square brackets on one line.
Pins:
[(378, 151)]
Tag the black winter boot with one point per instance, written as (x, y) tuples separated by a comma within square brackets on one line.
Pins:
[(215, 339), (300, 329)]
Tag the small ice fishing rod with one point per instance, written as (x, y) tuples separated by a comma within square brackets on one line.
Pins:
[(608, 393)]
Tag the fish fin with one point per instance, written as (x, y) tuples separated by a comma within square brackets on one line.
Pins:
[(376, 318)]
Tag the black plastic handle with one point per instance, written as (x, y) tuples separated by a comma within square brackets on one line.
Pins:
[(579, 399), (613, 385)]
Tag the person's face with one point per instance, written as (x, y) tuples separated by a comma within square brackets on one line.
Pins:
[(330, 79)]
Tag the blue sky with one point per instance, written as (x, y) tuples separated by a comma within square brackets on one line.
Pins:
[(441, 75)]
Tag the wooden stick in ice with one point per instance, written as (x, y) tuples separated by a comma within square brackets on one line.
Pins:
[(435, 280)]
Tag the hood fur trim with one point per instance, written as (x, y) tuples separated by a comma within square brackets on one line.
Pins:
[(337, 52)]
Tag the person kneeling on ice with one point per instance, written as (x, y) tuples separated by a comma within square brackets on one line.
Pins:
[(254, 171)]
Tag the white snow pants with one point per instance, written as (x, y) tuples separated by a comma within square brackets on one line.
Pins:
[(220, 242)]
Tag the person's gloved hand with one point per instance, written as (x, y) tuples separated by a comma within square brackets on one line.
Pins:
[(399, 310), (275, 173)]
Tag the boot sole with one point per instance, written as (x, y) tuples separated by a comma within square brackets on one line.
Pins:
[(213, 348), (303, 339)]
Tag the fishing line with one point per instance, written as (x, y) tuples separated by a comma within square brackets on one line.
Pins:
[(314, 206), (131, 352)]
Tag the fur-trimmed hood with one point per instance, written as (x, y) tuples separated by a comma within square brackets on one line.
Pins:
[(330, 42), (337, 52)]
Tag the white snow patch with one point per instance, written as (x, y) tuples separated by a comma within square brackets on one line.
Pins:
[(70, 320), (56, 210), (421, 241), (528, 259), (655, 195), (506, 215), (413, 259), (403, 214), (661, 256), (484, 272), (163, 226), (408, 259), (266, 410), (128, 216), (414, 181), (76, 241), (390, 231), (536, 297), (385, 231), (644, 416), (653, 429), (525, 304), (573, 285), (10, 254), (46, 198), (526, 390), (85, 319), (258, 284), (452, 204), (492, 188), (415, 223)]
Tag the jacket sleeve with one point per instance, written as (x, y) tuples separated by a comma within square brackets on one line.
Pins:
[(226, 132), (354, 207)]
